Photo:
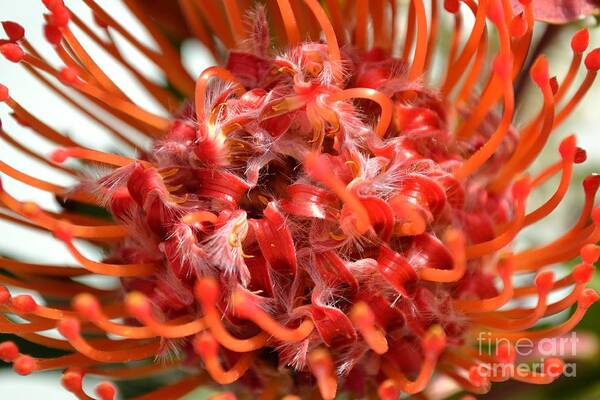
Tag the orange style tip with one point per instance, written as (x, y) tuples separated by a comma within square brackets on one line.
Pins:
[(590, 253), (434, 341), (591, 183), (543, 281), (14, 31), (207, 290), (592, 61), (452, 6), (580, 41), (476, 377), (24, 303), (86, 305), (505, 353), (52, 5), (60, 155), (521, 188), (320, 359), (554, 85), (582, 273), (60, 17), (205, 345), (518, 26), (68, 76), (69, 328), (72, 380), (539, 71), (468, 397), (588, 297), (8, 351), (454, 237), (12, 52), (137, 304), (554, 367), (24, 364), (388, 390), (568, 147), (106, 391), (4, 295), (4, 94)]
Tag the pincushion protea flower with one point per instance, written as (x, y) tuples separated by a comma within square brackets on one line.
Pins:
[(316, 216)]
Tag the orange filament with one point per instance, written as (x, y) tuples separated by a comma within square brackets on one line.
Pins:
[(139, 307), (336, 19), (410, 31), (530, 145), (70, 329), (206, 346), (563, 186), (498, 321), (420, 56), (315, 165), (202, 85), (206, 292), (38, 126), (155, 122), (31, 181), (289, 21), (521, 191), (90, 65), (581, 92), (387, 107), (322, 368), (36, 215), (235, 20), (88, 307), (362, 316), (433, 343), (433, 32), (6, 137), (585, 300), (561, 249), (63, 154), (380, 35), (169, 61), (120, 270), (361, 28), (131, 372), (505, 268), (455, 242), (488, 149), (475, 72), (332, 43), (13, 327), (197, 26), (554, 367), (247, 309), (460, 65), (177, 390), (20, 267)]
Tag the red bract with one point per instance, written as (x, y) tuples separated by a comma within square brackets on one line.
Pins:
[(315, 214)]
